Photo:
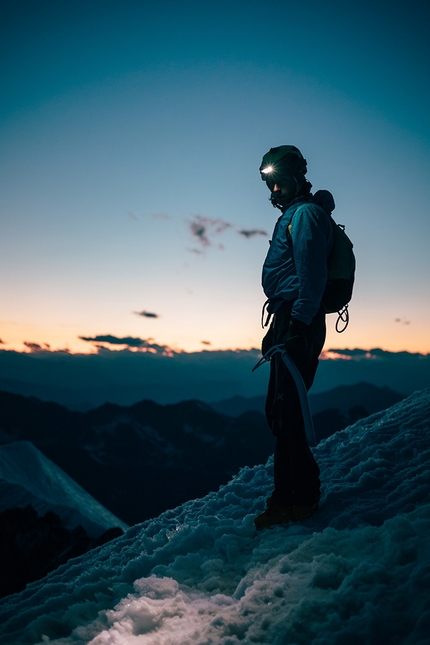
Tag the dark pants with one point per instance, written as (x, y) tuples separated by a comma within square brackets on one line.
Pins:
[(296, 471)]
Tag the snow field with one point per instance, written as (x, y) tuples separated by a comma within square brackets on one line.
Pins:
[(356, 573), (28, 477)]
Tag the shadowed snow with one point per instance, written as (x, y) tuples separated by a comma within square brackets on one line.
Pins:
[(358, 572), (28, 477)]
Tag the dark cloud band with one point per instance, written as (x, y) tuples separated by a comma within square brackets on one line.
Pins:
[(146, 314), (128, 341), (252, 232)]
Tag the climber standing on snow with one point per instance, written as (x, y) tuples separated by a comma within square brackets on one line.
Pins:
[(294, 278)]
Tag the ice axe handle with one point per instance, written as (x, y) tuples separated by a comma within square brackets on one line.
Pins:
[(303, 396)]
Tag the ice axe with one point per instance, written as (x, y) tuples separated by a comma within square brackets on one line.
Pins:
[(301, 388)]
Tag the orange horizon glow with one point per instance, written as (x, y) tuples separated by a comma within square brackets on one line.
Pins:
[(202, 336), (90, 348)]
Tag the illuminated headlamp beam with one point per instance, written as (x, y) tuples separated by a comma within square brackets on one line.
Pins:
[(267, 170)]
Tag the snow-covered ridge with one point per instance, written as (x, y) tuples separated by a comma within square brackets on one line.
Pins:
[(28, 477), (357, 572)]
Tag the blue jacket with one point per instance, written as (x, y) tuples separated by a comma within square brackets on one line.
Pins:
[(298, 270)]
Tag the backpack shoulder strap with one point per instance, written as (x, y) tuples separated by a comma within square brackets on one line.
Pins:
[(323, 199)]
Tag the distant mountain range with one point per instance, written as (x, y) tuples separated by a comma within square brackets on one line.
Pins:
[(77, 398), (343, 398), (140, 460)]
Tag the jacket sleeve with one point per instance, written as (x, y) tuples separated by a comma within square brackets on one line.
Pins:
[(312, 239)]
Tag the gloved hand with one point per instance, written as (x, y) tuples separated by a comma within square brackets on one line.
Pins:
[(296, 341), (267, 342)]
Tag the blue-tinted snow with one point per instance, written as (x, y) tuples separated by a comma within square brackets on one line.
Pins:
[(356, 573), (28, 477)]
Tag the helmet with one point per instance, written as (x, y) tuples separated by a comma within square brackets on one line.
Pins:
[(279, 163), (283, 160)]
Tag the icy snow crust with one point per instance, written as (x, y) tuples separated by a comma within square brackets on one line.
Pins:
[(28, 477), (356, 573)]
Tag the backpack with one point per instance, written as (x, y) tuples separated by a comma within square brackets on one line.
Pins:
[(341, 265)]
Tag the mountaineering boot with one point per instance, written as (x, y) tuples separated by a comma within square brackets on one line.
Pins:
[(302, 512), (279, 514), (274, 514)]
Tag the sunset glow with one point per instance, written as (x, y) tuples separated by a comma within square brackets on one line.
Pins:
[(107, 231)]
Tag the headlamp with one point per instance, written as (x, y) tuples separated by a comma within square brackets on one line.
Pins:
[(283, 160), (267, 170)]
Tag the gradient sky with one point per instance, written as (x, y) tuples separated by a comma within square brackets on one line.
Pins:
[(131, 135)]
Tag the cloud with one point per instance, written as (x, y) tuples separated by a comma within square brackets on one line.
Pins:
[(129, 342), (205, 228), (36, 347), (252, 232), (146, 314), (375, 354), (402, 321), (114, 340)]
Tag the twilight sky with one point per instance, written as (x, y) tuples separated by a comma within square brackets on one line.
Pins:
[(131, 135)]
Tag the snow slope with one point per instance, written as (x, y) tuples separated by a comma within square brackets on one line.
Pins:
[(28, 477), (356, 573)]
